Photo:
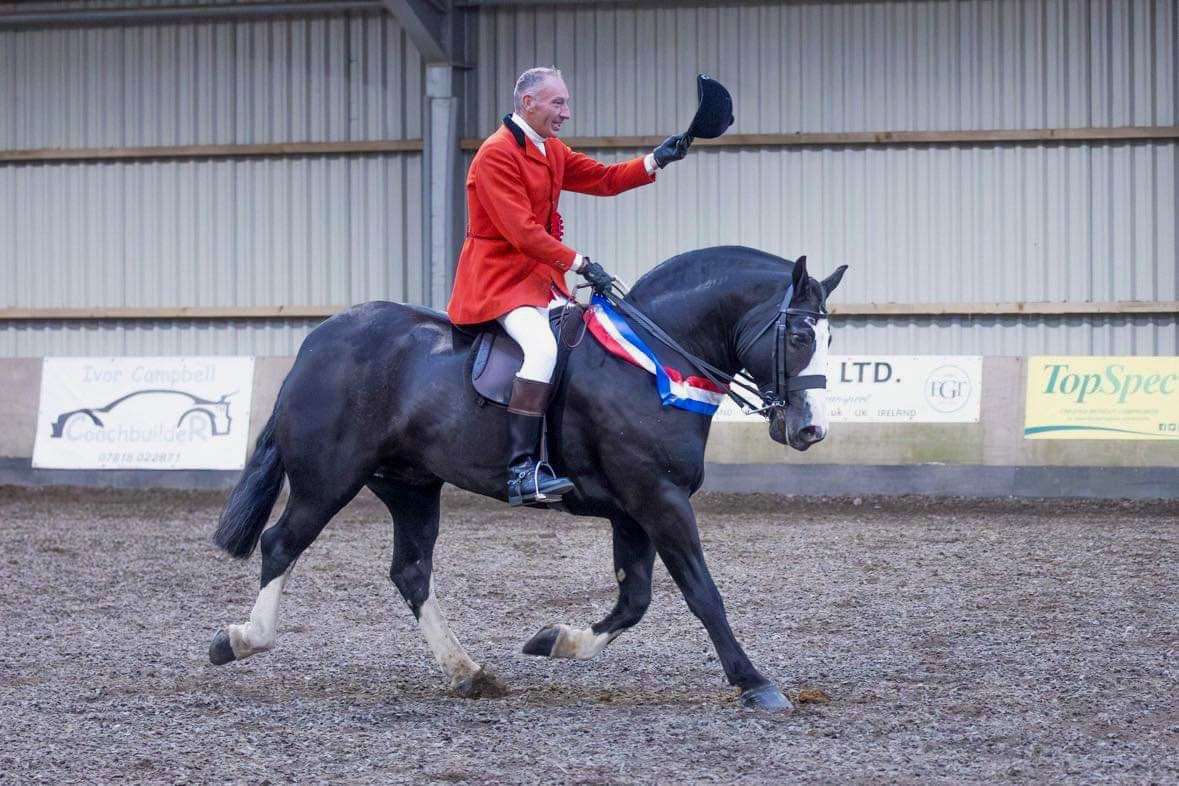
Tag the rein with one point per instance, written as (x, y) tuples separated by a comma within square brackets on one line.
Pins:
[(773, 398)]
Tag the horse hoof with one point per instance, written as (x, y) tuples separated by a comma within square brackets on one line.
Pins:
[(543, 642), (220, 651), (480, 685), (766, 698)]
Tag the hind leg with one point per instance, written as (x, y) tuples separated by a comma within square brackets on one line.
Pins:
[(299, 525), (634, 555), (415, 510)]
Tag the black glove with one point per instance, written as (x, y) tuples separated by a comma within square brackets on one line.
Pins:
[(597, 276), (673, 149)]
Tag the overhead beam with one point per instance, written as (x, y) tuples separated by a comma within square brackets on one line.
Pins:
[(477, 4), (44, 16), (427, 23)]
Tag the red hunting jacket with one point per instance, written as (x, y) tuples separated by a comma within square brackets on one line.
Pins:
[(513, 255)]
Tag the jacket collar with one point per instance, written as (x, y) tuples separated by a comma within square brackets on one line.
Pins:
[(517, 132), (522, 140), (536, 139)]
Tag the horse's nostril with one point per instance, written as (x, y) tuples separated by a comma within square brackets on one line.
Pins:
[(811, 433)]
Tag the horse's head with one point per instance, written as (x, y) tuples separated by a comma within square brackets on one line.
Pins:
[(787, 357)]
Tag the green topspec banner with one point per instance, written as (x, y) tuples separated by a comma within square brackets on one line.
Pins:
[(1102, 398)]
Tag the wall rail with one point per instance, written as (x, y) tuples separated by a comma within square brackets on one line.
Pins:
[(48, 155), (882, 138), (730, 141), (1018, 309)]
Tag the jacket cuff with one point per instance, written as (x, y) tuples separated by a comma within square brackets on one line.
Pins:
[(567, 260)]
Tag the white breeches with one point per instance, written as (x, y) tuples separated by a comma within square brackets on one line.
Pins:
[(529, 326)]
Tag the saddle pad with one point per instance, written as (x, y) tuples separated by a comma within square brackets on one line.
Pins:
[(497, 357)]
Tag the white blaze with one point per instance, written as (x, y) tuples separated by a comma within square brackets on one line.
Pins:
[(816, 398)]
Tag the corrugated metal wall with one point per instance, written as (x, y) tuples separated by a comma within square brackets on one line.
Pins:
[(300, 230), (1077, 221), (323, 79), (855, 65), (308, 231), (1055, 222)]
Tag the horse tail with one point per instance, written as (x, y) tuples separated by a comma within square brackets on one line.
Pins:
[(252, 499)]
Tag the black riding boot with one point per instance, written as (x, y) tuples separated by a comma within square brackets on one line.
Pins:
[(529, 480)]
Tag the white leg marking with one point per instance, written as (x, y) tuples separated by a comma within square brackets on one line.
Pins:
[(257, 635), (580, 643), (447, 651)]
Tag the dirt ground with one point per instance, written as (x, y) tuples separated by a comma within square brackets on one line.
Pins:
[(957, 642)]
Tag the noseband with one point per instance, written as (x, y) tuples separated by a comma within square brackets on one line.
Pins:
[(773, 398)]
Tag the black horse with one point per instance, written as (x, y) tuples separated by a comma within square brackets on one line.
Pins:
[(379, 396)]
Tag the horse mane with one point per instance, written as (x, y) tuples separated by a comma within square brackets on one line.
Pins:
[(705, 264)]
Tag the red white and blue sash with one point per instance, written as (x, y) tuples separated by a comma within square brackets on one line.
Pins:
[(695, 394)]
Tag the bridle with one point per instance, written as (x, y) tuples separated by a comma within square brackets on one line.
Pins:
[(784, 384), (772, 398)]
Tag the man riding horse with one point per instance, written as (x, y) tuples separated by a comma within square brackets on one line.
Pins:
[(512, 265), (360, 405)]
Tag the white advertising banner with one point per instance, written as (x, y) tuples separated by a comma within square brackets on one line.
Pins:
[(896, 389), (144, 413)]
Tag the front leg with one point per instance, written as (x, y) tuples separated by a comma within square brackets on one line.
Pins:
[(634, 554), (671, 523)]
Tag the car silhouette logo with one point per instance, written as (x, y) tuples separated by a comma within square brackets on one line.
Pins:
[(217, 411)]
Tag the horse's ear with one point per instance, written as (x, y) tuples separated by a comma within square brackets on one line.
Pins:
[(832, 281), (798, 277)]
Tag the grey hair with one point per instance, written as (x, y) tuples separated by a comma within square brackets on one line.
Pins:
[(528, 81)]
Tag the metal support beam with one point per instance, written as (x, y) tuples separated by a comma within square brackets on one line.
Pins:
[(436, 29), (428, 24), (442, 183)]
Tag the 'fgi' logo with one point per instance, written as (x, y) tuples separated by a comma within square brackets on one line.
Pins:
[(947, 389)]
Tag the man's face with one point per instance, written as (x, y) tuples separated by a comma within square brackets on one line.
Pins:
[(548, 107)]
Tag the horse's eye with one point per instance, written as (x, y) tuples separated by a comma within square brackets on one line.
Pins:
[(800, 339)]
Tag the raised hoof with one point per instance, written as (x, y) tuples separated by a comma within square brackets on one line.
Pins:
[(543, 642), (480, 685), (766, 698), (220, 651)]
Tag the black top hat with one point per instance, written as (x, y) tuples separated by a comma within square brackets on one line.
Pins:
[(715, 113)]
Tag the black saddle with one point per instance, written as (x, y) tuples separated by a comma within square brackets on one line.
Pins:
[(496, 357)]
